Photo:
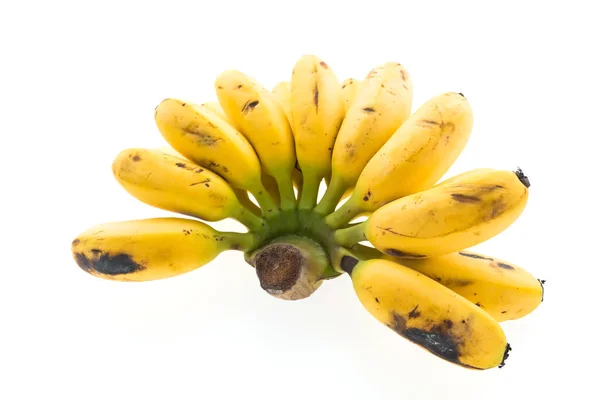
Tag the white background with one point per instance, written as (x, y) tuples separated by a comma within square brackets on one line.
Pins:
[(79, 82)]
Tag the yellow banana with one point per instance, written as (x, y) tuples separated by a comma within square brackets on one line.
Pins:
[(444, 219), (255, 113), (283, 94), (149, 249), (244, 199), (428, 314), (349, 87), (382, 103), (317, 113), (216, 108), (209, 141), (416, 156), (504, 290), (174, 184)]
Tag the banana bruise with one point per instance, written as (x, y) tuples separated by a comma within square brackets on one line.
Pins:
[(283, 94), (428, 314), (349, 87), (150, 249), (317, 107), (447, 218), (382, 103), (504, 290), (256, 113), (171, 183), (416, 156), (209, 141)]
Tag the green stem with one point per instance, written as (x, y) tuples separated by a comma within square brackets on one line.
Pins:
[(330, 200), (265, 201), (310, 191), (250, 220), (350, 236), (239, 241), (344, 214), (286, 192)]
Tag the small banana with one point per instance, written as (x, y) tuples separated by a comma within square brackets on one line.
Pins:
[(317, 114), (446, 218), (428, 314), (416, 156), (349, 87), (382, 103), (209, 141), (283, 94), (170, 183), (504, 290), (256, 113), (150, 249)]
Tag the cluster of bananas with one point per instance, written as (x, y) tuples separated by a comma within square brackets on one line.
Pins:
[(362, 139)]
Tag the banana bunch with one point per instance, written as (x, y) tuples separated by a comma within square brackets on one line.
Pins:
[(259, 156)]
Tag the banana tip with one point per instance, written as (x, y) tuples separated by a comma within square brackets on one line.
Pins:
[(506, 351), (522, 177)]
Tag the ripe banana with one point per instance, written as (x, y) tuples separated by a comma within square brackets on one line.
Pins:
[(283, 94), (255, 113), (349, 87), (504, 290), (149, 249), (170, 183), (382, 103), (317, 113), (428, 314), (416, 156), (216, 108), (209, 141), (444, 219)]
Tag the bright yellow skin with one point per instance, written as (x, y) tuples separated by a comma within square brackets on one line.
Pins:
[(444, 219), (283, 94), (209, 141), (417, 155), (171, 183), (216, 108), (150, 249), (503, 290), (382, 103), (349, 87), (317, 114), (256, 113), (428, 314)]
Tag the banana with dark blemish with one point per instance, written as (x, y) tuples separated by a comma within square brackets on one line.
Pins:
[(381, 104), (428, 314), (449, 217), (256, 113), (171, 183), (317, 107), (504, 290), (209, 141), (416, 156), (150, 249)]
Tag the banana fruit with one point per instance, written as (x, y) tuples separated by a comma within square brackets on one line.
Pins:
[(283, 94), (349, 87), (428, 314), (504, 290), (256, 113), (150, 249), (170, 183), (382, 103), (317, 107), (209, 141), (444, 219), (416, 156)]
